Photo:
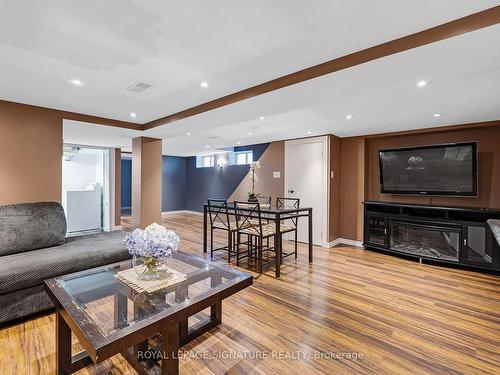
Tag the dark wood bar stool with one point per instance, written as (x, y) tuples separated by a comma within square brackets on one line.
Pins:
[(249, 221), (293, 203)]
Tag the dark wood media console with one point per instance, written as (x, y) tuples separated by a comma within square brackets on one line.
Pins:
[(452, 235)]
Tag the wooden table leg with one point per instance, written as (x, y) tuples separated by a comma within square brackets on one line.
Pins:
[(310, 235), (63, 346), (170, 348), (204, 229), (216, 312)]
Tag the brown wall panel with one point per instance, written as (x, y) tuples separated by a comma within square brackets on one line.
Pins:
[(334, 187), (352, 188), (488, 142), (146, 181), (30, 154), (360, 171), (118, 186)]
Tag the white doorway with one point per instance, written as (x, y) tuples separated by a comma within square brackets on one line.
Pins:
[(306, 169), (86, 189)]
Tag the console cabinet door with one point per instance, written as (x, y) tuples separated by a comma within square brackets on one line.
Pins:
[(376, 229), (478, 245)]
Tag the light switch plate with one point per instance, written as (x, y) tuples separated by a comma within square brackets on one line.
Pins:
[(276, 174)]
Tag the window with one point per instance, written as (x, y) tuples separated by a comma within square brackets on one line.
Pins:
[(244, 157), (208, 161)]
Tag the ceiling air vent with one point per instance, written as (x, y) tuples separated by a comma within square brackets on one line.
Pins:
[(139, 86)]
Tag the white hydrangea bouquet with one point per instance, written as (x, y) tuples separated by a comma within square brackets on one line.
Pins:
[(153, 247)]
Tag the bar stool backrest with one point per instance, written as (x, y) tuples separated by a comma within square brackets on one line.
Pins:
[(248, 217), (219, 215), (282, 202), (265, 201)]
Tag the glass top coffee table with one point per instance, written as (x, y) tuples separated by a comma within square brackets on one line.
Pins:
[(109, 317)]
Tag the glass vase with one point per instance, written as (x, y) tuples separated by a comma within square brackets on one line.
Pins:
[(150, 268)]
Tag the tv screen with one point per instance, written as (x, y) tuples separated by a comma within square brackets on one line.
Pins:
[(449, 169)]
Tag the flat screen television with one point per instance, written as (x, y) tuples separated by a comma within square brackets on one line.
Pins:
[(448, 169)]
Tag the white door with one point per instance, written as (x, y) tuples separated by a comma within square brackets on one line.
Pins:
[(305, 179)]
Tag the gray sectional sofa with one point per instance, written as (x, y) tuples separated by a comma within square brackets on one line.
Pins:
[(34, 247)]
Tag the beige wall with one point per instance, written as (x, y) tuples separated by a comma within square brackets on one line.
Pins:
[(146, 181), (30, 154), (272, 160)]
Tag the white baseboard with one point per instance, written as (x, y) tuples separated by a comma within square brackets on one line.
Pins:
[(345, 241), (182, 212)]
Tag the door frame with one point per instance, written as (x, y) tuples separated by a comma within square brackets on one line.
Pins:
[(324, 140), (108, 209)]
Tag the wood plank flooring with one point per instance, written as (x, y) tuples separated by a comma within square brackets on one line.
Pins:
[(401, 316)]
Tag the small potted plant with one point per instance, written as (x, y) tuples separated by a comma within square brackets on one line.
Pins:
[(152, 249), (252, 196)]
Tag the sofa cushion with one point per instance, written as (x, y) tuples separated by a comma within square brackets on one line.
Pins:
[(23, 270), (24, 302), (29, 226)]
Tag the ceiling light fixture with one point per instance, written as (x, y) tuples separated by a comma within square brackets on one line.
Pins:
[(188, 133), (75, 82), (309, 132), (249, 133), (207, 146), (133, 114), (238, 143), (204, 84), (437, 115), (421, 83), (261, 118), (348, 117)]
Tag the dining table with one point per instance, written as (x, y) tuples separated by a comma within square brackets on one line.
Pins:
[(275, 214)]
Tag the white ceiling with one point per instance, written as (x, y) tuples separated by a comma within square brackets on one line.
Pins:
[(236, 44)]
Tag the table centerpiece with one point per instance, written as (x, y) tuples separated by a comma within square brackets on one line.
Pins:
[(152, 250)]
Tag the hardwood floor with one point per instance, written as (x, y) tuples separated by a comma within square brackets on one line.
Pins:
[(400, 316)]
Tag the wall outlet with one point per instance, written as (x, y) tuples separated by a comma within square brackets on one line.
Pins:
[(276, 174)]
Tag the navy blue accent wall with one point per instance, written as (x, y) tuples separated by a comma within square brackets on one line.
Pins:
[(185, 187), (126, 176), (174, 183), (203, 183)]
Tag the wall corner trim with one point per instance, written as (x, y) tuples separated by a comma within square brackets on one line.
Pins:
[(182, 212), (345, 241)]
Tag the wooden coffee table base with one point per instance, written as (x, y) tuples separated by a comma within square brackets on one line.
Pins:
[(175, 334)]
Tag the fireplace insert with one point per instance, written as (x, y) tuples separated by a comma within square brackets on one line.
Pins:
[(426, 240)]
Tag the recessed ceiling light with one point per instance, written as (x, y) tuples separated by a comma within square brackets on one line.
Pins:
[(75, 82), (188, 133), (249, 133), (238, 143), (309, 132), (207, 146), (421, 83), (348, 117), (204, 84), (437, 115), (261, 118), (133, 114)]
